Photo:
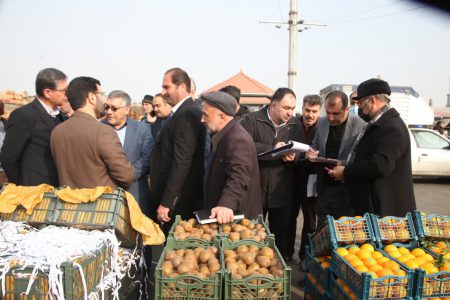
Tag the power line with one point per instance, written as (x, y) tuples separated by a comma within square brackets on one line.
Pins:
[(382, 16), (279, 9), (364, 11)]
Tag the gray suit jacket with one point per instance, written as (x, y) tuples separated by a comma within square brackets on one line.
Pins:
[(353, 127), (138, 145)]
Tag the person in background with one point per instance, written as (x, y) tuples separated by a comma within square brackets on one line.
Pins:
[(232, 174), (149, 116), (272, 127), (176, 163), (66, 110), (87, 152), (163, 111), (26, 156), (334, 138), (236, 93), (378, 172), (305, 173)]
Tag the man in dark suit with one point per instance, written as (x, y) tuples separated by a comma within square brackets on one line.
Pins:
[(163, 110), (137, 141), (176, 163), (88, 153), (232, 174), (334, 138), (378, 171), (26, 156)]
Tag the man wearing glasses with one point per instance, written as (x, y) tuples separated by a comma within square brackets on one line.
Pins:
[(26, 156), (88, 153)]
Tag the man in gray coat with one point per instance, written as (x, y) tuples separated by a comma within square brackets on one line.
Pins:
[(232, 174), (334, 138)]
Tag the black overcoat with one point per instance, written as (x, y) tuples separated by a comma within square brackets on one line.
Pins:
[(380, 177)]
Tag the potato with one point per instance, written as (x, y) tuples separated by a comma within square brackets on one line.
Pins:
[(180, 252), (169, 255), (176, 261), (214, 267), (213, 249), (242, 271), (166, 268), (206, 237), (274, 262), (205, 256), (257, 238), (245, 234), (253, 267), (263, 261), (232, 267), (179, 228), (205, 270), (236, 276), (276, 272), (184, 268), (230, 259), (245, 222), (242, 249), (259, 226), (187, 226), (266, 251), (248, 258), (251, 226), (229, 253), (263, 271), (237, 227), (197, 252), (226, 228), (253, 248), (213, 226), (234, 236), (193, 222)]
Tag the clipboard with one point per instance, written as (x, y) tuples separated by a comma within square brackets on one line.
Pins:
[(327, 162), (290, 147)]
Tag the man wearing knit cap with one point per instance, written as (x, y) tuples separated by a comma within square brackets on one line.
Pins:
[(231, 168), (378, 169)]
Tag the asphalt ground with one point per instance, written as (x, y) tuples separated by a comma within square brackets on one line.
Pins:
[(432, 196)]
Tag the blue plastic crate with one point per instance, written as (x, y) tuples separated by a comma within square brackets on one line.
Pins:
[(312, 292), (337, 233), (426, 285), (432, 226), (391, 229), (312, 265), (367, 287), (337, 292)]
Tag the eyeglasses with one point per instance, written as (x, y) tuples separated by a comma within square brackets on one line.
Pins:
[(114, 109), (63, 90)]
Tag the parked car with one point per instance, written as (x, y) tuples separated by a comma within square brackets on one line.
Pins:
[(430, 153)]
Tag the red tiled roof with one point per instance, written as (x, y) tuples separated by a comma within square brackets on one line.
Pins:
[(247, 85)]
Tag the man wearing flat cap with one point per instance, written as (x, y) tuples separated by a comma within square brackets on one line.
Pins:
[(232, 174), (378, 170)]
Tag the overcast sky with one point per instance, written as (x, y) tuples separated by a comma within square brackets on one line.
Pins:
[(129, 44)]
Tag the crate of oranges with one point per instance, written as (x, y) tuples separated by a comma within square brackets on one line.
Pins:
[(370, 274), (432, 273), (313, 289), (441, 248), (318, 266), (338, 290), (393, 229), (341, 232), (432, 226)]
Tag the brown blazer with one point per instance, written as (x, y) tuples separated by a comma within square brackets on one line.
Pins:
[(88, 154), (233, 174)]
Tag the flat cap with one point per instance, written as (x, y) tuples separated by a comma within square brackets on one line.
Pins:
[(222, 101), (371, 87), (147, 99)]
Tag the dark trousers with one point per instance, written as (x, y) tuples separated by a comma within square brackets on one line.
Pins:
[(308, 206), (334, 201), (278, 225)]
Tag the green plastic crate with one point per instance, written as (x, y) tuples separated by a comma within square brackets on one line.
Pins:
[(265, 287), (312, 292), (313, 266), (432, 226), (41, 215), (18, 277), (338, 233), (109, 211), (187, 286), (366, 287)]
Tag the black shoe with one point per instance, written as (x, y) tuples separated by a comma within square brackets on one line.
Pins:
[(288, 259)]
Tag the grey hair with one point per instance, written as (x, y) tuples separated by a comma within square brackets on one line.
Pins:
[(312, 100), (126, 99), (383, 97)]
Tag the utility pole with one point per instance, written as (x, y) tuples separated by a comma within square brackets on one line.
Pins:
[(292, 27)]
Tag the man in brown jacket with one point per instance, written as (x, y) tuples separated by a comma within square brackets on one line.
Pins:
[(232, 173), (88, 153)]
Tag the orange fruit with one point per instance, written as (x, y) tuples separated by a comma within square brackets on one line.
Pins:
[(342, 251), (427, 257), (369, 262), (403, 250), (394, 254), (441, 244), (363, 254), (381, 260), (367, 247), (325, 265), (391, 265), (445, 267), (431, 270), (384, 272), (389, 248), (356, 262), (402, 259), (350, 257), (362, 269), (376, 254), (411, 264), (426, 265), (435, 249), (418, 252), (353, 249), (399, 272), (409, 256), (375, 268)]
